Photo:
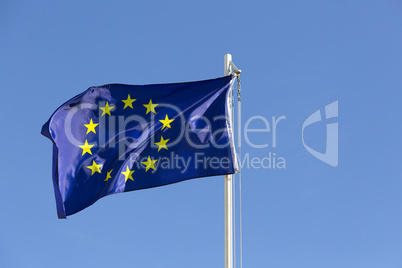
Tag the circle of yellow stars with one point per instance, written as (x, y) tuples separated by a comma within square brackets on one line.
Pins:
[(106, 110)]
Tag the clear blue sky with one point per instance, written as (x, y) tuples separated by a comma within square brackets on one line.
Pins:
[(296, 57)]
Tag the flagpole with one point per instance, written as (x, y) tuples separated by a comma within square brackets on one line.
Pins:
[(228, 192)]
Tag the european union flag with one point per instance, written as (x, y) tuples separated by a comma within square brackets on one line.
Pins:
[(119, 138)]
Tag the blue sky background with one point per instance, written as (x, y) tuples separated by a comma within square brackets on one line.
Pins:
[(296, 57)]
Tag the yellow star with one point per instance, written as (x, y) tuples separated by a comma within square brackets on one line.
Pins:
[(86, 148), (162, 144), (108, 176), (94, 167), (106, 109), (149, 163), (150, 107), (128, 174), (128, 102), (91, 127), (166, 122)]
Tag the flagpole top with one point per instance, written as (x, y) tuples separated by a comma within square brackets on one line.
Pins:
[(230, 68)]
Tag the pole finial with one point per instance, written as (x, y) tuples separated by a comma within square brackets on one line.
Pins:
[(229, 66)]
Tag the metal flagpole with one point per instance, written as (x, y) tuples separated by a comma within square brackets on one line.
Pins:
[(228, 193), (229, 182)]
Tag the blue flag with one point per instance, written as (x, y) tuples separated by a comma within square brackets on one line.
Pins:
[(119, 138)]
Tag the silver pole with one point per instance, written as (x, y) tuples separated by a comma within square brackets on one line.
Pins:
[(228, 192)]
